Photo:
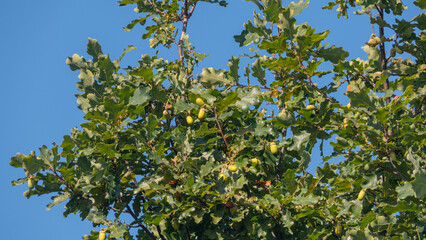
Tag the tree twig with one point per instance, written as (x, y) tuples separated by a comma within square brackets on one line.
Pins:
[(419, 109), (394, 166), (281, 159), (129, 210), (220, 128), (308, 76)]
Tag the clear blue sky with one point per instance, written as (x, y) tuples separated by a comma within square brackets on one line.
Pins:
[(37, 95)]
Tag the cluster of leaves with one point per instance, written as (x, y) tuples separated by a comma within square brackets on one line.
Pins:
[(136, 155)]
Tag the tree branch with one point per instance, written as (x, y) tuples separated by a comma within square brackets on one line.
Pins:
[(218, 125), (394, 166), (129, 210), (159, 233), (281, 159), (419, 109), (186, 16), (308, 76), (383, 51)]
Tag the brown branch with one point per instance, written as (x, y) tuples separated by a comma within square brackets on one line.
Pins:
[(366, 79), (131, 172), (159, 233), (308, 76), (63, 181), (218, 125), (188, 235), (394, 166), (323, 94), (383, 51), (344, 195), (300, 63), (272, 28), (386, 169), (192, 9), (280, 161), (139, 224), (419, 109), (186, 16)]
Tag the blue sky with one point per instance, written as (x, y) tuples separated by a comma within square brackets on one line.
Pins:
[(37, 95)]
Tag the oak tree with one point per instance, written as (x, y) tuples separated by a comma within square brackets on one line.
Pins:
[(223, 153)]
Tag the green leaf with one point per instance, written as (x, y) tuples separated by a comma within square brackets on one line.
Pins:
[(246, 38), (333, 54), (405, 190), (248, 98), (261, 130), (305, 200), (402, 206), (383, 77), (210, 77), (299, 139), (373, 52), (182, 106), (273, 8), (96, 216), (370, 181), (117, 230), (285, 119), (367, 219), (131, 25), (146, 73), (259, 72), (420, 3), (31, 163), (126, 50), (218, 214), (297, 7), (230, 99), (17, 160), (206, 168), (94, 49), (419, 184), (58, 199), (140, 96)]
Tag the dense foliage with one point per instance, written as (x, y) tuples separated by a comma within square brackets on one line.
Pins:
[(223, 153)]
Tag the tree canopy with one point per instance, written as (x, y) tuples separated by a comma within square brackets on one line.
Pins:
[(189, 153)]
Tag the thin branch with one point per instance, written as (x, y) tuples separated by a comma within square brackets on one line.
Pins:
[(192, 9), (344, 195), (280, 161), (419, 109), (188, 235), (184, 20), (323, 94), (308, 76), (61, 178), (386, 169), (396, 169), (159, 233), (366, 79), (129, 210), (383, 50), (301, 64), (218, 125)]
